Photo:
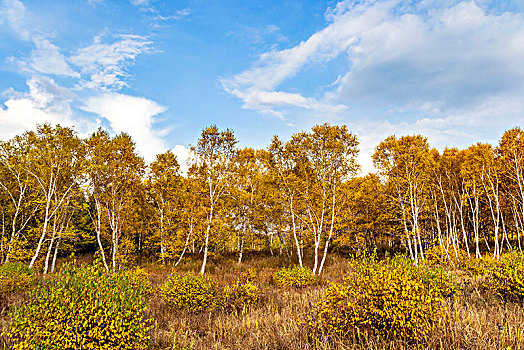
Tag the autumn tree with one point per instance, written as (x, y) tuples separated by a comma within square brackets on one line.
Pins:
[(284, 170), (405, 163), (114, 171), (55, 161), (249, 171), (327, 158), (164, 188), (213, 165), (511, 153), (19, 198)]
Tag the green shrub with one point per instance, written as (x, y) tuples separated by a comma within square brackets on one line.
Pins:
[(15, 276), (191, 292), (82, 308), (388, 300), (294, 277)]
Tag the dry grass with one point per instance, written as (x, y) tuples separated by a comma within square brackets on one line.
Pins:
[(475, 319)]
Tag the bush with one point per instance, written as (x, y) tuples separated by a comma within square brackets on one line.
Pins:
[(479, 266), (139, 278), (191, 292), (434, 278), (390, 300), (437, 255), (240, 295), (294, 277), (248, 275), (15, 276), (506, 275), (82, 308)]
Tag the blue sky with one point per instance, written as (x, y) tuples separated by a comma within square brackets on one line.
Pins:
[(163, 70)]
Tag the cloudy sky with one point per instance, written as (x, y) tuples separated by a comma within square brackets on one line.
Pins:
[(161, 70)]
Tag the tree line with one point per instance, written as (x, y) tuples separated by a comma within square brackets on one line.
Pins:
[(61, 194)]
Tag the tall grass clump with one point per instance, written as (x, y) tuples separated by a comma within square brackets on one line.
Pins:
[(82, 308)]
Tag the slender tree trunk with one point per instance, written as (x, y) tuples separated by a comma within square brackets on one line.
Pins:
[(55, 255), (185, 245), (98, 224), (299, 253), (206, 244), (42, 236), (241, 250)]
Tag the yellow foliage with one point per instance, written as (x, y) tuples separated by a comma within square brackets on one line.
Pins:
[(391, 300), (20, 251), (294, 277), (248, 275), (195, 293), (505, 276), (437, 255), (15, 277), (479, 266), (82, 308), (139, 278), (241, 294)]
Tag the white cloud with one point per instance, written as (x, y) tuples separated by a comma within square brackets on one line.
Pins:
[(427, 57), (133, 115), (265, 101), (105, 64), (453, 58), (45, 102), (95, 3), (140, 2), (182, 154), (47, 59), (12, 12), (275, 67)]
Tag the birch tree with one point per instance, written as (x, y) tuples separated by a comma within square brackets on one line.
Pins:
[(56, 158), (405, 164), (327, 156), (213, 165), (114, 170)]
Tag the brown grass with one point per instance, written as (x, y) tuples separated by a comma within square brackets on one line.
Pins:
[(476, 318)]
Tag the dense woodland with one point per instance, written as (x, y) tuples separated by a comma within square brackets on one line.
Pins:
[(62, 195)]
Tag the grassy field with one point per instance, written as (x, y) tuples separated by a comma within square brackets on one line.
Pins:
[(474, 317)]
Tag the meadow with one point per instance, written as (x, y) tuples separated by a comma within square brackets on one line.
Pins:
[(263, 304)]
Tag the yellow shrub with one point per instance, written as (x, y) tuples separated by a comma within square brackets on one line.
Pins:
[(392, 300), (139, 278), (248, 275), (192, 292), (240, 295), (15, 276), (479, 266), (294, 277), (437, 255), (83, 308), (506, 275)]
